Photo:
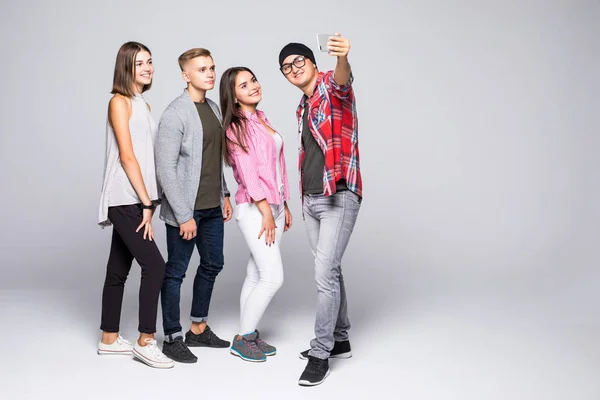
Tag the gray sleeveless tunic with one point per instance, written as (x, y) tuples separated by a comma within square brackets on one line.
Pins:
[(116, 189)]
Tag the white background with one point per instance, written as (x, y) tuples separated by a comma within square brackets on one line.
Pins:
[(479, 141)]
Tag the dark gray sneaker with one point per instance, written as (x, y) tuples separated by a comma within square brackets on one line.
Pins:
[(205, 339), (340, 350), (178, 351), (315, 372), (247, 349), (266, 348)]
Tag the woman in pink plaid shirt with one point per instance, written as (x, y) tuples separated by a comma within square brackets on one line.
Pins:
[(255, 152)]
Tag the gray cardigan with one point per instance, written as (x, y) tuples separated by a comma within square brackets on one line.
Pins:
[(178, 158)]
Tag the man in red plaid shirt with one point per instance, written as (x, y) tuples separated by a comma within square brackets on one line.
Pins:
[(331, 188)]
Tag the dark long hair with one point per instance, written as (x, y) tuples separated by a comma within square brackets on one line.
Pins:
[(125, 69), (232, 116)]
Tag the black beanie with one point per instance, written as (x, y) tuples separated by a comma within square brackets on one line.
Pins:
[(296, 48)]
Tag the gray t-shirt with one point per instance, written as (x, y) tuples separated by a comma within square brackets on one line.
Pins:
[(209, 189)]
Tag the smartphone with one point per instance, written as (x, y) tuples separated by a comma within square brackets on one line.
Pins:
[(322, 39)]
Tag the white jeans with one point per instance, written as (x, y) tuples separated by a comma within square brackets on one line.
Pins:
[(264, 273)]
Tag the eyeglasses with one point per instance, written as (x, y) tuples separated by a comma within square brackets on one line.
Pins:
[(298, 62)]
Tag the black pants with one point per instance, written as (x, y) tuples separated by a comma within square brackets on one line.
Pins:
[(127, 245)]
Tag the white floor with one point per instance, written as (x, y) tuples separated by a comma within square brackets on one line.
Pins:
[(429, 350)]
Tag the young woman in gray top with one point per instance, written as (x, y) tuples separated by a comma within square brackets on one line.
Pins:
[(129, 195)]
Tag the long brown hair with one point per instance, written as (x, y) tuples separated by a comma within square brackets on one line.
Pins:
[(124, 76), (232, 116)]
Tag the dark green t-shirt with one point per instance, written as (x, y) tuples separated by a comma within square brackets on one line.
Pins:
[(209, 189), (314, 162)]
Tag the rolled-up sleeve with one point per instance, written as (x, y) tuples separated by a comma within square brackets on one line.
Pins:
[(339, 91)]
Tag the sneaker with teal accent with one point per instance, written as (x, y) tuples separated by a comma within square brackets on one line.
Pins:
[(246, 348), (264, 346)]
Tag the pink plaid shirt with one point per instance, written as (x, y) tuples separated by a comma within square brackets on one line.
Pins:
[(255, 171)]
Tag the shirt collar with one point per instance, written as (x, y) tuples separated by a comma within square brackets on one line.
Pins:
[(253, 116), (317, 83)]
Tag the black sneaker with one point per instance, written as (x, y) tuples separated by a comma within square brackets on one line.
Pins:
[(340, 350), (315, 372), (178, 351), (205, 339)]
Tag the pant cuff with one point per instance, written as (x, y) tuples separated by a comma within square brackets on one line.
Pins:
[(172, 336), (318, 354), (199, 319)]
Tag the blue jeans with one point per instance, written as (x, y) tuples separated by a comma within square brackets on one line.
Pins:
[(209, 241), (329, 224)]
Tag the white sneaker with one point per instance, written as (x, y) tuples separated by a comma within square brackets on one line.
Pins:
[(150, 354), (120, 346)]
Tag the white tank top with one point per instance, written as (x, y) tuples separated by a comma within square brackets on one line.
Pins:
[(278, 145), (116, 189)]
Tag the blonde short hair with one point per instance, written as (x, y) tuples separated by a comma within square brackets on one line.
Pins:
[(191, 54)]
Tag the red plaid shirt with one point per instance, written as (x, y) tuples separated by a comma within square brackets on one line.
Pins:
[(333, 123)]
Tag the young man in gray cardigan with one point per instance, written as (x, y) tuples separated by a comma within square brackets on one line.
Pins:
[(195, 203)]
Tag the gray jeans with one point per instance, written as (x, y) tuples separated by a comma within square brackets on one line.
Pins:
[(329, 223)]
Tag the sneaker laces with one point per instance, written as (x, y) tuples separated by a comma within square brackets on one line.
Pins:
[(154, 350), (178, 343), (252, 345), (208, 332), (122, 340), (212, 337), (315, 363)]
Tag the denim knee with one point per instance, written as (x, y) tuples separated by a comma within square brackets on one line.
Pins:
[(325, 274), (175, 271), (211, 269)]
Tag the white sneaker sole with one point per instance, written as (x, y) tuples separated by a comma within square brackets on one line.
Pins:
[(151, 363), (235, 353), (307, 383), (115, 352), (342, 356)]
